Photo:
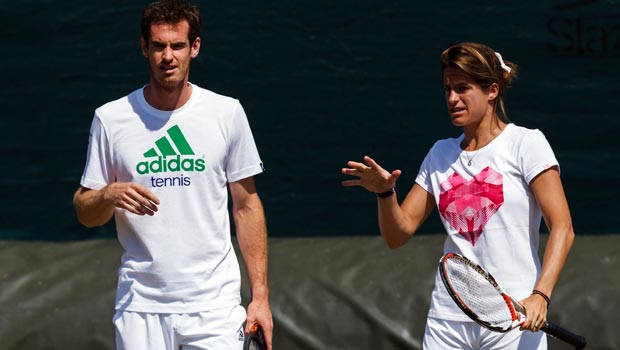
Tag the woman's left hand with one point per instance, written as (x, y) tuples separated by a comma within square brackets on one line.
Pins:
[(536, 313)]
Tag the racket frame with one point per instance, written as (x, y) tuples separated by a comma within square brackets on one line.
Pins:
[(516, 309), (256, 336)]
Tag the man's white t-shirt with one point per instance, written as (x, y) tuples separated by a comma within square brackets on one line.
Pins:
[(488, 209), (180, 260)]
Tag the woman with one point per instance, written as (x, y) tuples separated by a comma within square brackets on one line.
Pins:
[(491, 186)]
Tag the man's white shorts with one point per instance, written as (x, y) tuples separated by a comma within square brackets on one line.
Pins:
[(220, 329), (455, 335)]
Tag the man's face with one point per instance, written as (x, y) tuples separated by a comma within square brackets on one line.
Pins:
[(169, 53)]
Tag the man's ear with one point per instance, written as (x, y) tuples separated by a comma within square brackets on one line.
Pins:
[(195, 47), (144, 47)]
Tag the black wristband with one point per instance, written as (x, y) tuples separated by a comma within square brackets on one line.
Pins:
[(386, 193), (543, 295)]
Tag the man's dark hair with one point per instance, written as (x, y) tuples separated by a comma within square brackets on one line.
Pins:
[(171, 12)]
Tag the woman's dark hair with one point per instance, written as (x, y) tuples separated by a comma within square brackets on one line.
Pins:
[(483, 65)]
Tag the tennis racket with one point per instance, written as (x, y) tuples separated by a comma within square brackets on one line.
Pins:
[(255, 340), (477, 293)]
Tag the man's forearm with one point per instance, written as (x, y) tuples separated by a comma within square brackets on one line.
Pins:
[(96, 207), (91, 209), (252, 238)]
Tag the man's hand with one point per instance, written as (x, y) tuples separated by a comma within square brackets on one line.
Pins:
[(131, 197), (260, 313), (96, 207)]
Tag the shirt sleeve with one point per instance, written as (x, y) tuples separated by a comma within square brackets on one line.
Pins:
[(243, 159), (98, 171), (535, 155), (423, 178)]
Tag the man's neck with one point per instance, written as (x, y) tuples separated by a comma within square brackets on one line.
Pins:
[(167, 98)]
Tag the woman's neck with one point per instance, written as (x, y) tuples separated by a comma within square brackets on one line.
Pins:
[(481, 134)]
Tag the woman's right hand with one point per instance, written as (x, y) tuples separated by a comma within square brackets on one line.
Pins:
[(371, 176)]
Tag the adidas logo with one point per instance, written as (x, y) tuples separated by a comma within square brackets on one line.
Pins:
[(241, 334), (171, 153)]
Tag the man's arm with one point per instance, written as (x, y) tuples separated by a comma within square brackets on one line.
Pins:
[(251, 231), (96, 207)]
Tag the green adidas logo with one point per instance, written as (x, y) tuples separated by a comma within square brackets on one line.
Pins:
[(169, 156)]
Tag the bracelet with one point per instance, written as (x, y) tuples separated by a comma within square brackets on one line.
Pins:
[(543, 295), (386, 193)]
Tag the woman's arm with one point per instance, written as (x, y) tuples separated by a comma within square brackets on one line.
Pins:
[(397, 223), (549, 193)]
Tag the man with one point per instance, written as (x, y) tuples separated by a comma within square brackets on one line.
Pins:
[(160, 160)]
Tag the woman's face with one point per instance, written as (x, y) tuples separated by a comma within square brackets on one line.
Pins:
[(467, 102)]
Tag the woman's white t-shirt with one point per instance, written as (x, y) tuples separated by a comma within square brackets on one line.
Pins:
[(488, 209)]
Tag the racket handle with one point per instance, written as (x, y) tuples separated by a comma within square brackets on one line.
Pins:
[(578, 341)]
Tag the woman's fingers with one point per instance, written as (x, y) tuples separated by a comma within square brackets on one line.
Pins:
[(352, 172), (394, 175), (371, 162), (349, 183), (371, 175)]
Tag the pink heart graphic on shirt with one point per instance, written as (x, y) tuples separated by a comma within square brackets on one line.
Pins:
[(469, 205)]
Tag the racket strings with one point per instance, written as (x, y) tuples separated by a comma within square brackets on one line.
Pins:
[(479, 294)]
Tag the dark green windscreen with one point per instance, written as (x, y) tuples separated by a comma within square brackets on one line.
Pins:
[(322, 82)]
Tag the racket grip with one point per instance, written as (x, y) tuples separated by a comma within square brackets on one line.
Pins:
[(578, 341)]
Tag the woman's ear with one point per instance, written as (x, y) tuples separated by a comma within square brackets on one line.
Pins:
[(493, 91)]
